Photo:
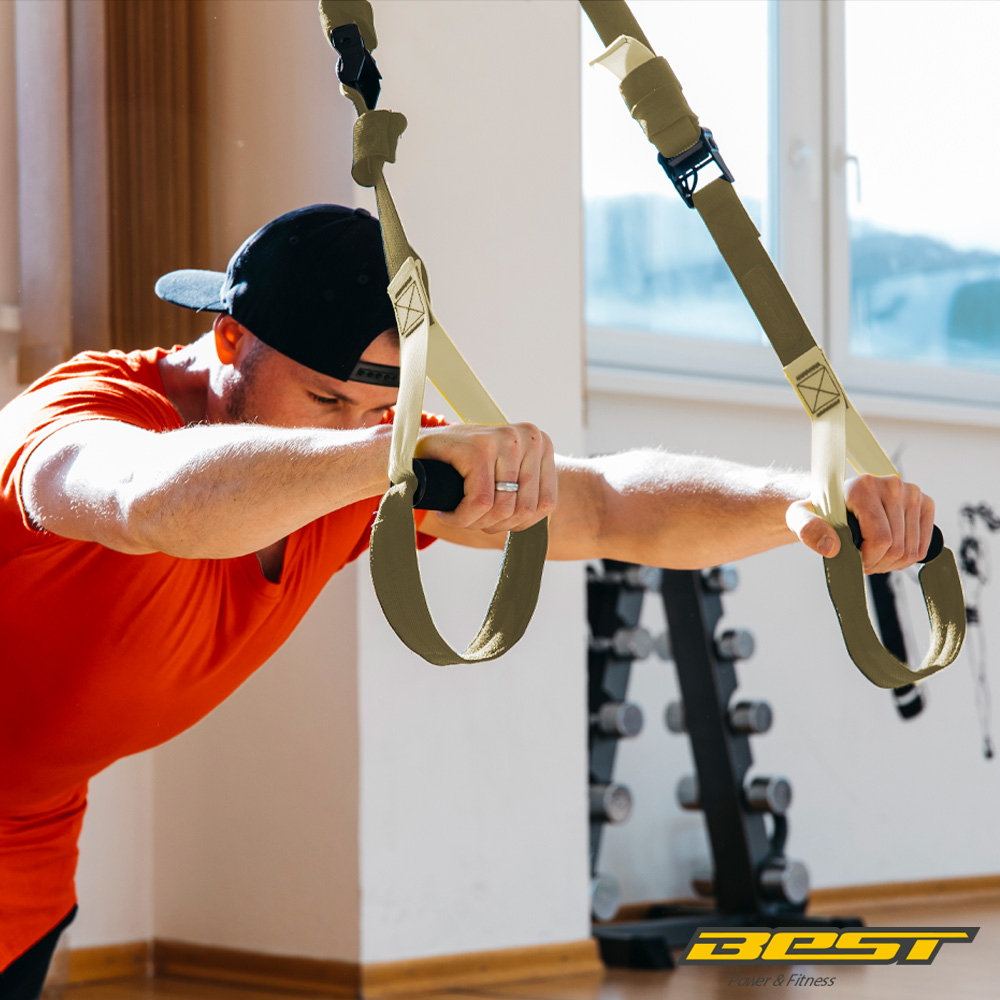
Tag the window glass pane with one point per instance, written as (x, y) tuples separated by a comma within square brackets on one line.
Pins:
[(924, 209), (650, 263)]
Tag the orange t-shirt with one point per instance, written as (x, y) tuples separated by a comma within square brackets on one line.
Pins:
[(105, 654)]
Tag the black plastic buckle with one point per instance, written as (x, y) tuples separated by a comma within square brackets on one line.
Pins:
[(356, 68), (683, 168)]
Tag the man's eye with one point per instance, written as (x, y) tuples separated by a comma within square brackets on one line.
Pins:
[(324, 399)]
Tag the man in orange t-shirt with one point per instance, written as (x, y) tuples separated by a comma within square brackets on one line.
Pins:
[(167, 517)]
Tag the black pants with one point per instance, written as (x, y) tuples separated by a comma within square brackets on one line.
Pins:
[(24, 977)]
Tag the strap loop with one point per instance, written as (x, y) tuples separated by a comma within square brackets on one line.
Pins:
[(655, 100), (376, 134)]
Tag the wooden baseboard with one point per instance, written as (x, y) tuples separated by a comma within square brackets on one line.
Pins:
[(879, 893), (893, 892), (476, 969), (116, 961), (379, 979), (178, 959), (447, 972)]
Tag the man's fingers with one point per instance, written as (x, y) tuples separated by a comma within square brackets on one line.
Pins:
[(486, 455), (896, 521), (926, 526), (813, 531)]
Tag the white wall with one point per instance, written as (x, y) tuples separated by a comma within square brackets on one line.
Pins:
[(256, 807)]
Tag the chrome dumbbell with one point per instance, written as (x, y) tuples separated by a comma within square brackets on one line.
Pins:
[(605, 897), (619, 719), (735, 644), (627, 643), (745, 718), (785, 881), (674, 717), (750, 717), (688, 793), (772, 795), (611, 803), (720, 579), (637, 577), (662, 647)]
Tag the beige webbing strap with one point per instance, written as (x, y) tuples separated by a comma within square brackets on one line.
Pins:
[(654, 97), (426, 351)]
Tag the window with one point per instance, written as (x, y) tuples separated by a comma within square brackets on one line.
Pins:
[(923, 217), (870, 187), (656, 285)]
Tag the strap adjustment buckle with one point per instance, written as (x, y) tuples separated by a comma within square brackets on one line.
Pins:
[(356, 68), (683, 168)]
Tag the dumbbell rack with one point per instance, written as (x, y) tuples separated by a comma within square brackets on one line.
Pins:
[(614, 602), (754, 884)]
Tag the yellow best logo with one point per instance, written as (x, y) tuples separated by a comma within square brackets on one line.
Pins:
[(823, 945)]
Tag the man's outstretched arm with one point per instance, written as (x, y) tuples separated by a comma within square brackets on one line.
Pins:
[(684, 512), (221, 490)]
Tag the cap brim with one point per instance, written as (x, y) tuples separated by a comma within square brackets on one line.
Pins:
[(193, 290)]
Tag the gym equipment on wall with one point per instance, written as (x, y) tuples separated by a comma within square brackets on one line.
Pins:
[(753, 883), (974, 562)]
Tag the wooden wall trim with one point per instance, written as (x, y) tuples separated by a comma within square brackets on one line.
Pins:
[(878, 893), (230, 965), (904, 892), (181, 960), (116, 961), (380, 979), (477, 969), (157, 163)]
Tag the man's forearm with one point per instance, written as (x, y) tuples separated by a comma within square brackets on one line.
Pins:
[(690, 512), (200, 492), (233, 489)]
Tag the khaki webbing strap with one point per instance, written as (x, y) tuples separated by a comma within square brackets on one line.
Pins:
[(655, 99), (426, 351)]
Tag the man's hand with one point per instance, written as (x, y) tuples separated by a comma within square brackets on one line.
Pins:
[(896, 521), (487, 454)]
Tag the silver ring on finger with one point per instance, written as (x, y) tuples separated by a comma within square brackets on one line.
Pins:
[(505, 487)]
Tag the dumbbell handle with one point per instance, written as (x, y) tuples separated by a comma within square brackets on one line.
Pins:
[(440, 486), (933, 550)]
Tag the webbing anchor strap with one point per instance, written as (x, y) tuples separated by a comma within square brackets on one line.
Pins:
[(426, 351), (655, 99)]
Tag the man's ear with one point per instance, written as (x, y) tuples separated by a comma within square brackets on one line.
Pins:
[(229, 335)]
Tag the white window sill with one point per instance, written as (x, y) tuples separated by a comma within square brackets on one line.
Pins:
[(629, 382)]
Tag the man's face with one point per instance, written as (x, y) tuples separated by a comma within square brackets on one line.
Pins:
[(268, 388)]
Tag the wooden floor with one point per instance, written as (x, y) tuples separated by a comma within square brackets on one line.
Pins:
[(960, 972)]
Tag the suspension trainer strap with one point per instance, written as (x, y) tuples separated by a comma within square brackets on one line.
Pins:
[(655, 99), (426, 351)]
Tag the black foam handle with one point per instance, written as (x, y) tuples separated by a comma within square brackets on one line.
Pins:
[(933, 550), (440, 486)]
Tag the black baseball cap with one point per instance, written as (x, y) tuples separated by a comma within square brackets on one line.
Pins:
[(312, 284)]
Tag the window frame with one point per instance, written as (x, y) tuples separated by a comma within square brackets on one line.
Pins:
[(809, 172)]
